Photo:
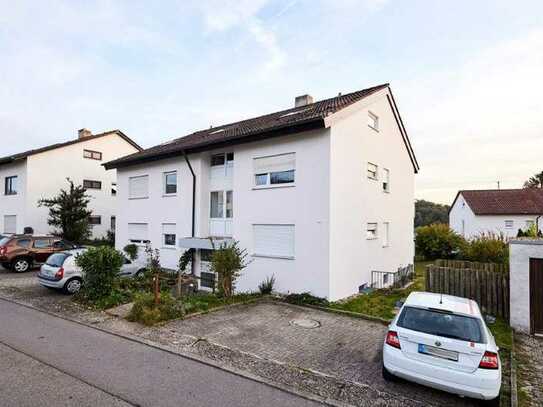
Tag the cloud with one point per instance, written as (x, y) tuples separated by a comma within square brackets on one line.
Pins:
[(478, 123)]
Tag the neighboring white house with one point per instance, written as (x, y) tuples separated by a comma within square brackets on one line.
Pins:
[(502, 211), (320, 195), (41, 173)]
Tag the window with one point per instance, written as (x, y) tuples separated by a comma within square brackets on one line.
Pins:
[(88, 184), (386, 236), (95, 220), (217, 204), (138, 187), (168, 234), (207, 279), (509, 224), (113, 223), (93, 155), (10, 224), (113, 189), (275, 170), (217, 159), (273, 241), (372, 171), (10, 185), (170, 183), (26, 243), (373, 121), (42, 243), (229, 204), (386, 180), (371, 231), (138, 233)]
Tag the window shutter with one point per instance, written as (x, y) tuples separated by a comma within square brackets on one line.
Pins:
[(274, 240), (168, 228), (10, 224), (138, 187), (138, 231), (276, 163)]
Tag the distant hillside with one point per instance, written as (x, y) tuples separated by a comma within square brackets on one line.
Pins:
[(427, 212)]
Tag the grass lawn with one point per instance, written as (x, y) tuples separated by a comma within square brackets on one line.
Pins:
[(380, 303)]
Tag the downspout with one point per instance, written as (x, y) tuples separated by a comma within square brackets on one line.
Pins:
[(537, 224), (193, 207)]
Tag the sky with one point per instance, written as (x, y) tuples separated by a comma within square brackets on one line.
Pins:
[(467, 75)]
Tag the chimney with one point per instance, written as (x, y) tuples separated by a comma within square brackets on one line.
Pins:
[(303, 100), (84, 133)]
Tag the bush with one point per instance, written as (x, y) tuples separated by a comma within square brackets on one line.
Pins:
[(266, 286), (228, 262), (306, 299), (148, 313), (132, 251), (100, 266), (487, 248), (438, 241)]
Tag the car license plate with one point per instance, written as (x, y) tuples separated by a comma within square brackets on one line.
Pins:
[(437, 352)]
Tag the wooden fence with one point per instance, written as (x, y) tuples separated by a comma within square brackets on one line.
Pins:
[(473, 265), (489, 288)]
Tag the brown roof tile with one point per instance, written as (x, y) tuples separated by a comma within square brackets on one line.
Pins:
[(526, 201)]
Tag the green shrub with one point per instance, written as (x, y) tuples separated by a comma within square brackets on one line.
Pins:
[(438, 241), (266, 286), (306, 298), (148, 313), (487, 248), (228, 262), (100, 266), (132, 251)]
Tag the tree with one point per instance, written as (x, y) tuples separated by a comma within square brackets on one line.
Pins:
[(427, 212), (68, 213), (438, 241), (535, 181), (228, 262)]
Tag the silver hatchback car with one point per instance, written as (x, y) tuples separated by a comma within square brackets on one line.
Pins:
[(60, 271)]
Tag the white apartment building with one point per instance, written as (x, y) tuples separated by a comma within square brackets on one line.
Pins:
[(320, 195), (41, 173), (499, 211)]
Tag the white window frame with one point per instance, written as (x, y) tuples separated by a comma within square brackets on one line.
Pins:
[(268, 174), (370, 173), (509, 224), (386, 180), (291, 255), (167, 227), (130, 189), (372, 230), (164, 185), (386, 234), (373, 121)]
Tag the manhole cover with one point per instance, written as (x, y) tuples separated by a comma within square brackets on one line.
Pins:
[(305, 323)]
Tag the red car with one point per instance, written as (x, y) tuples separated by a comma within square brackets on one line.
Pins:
[(21, 252)]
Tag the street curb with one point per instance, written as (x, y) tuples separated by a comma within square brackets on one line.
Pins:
[(513, 380), (196, 358)]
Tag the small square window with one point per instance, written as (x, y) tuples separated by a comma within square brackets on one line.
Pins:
[(170, 183), (372, 171), (386, 180), (169, 239), (373, 121), (93, 155), (95, 220), (217, 159), (89, 184), (509, 224), (10, 185), (371, 231), (114, 189), (261, 179)]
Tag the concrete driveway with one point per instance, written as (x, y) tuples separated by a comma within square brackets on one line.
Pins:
[(8, 274)]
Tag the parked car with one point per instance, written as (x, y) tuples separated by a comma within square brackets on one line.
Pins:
[(442, 341), (21, 252), (60, 271)]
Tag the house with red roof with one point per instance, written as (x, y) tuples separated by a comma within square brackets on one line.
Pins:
[(502, 211)]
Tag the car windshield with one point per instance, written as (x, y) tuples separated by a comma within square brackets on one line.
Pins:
[(57, 259), (441, 323)]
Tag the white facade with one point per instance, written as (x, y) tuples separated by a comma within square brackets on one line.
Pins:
[(520, 252), (42, 175), (466, 223), (310, 234)]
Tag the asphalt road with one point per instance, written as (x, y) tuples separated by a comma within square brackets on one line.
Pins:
[(104, 369)]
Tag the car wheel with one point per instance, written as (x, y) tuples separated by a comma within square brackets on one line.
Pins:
[(20, 265), (389, 377), (72, 286), (492, 403)]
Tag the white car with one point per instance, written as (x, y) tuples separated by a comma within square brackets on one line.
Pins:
[(61, 272), (442, 341)]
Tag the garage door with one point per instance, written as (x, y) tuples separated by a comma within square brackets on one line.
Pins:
[(536, 295)]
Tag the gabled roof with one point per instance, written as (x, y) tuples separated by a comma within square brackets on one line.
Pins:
[(20, 156), (288, 121), (527, 201)]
